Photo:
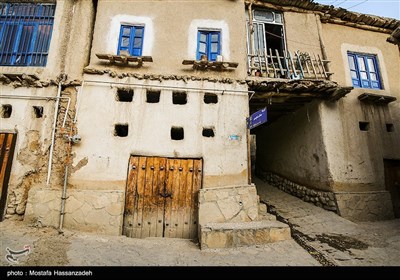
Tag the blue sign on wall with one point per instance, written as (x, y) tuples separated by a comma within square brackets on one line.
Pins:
[(258, 118)]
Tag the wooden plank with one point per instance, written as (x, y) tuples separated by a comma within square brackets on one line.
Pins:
[(175, 200), (279, 62), (3, 159), (188, 199), (266, 61), (272, 60), (188, 62), (168, 201), (259, 62), (130, 196), (152, 217), (316, 61), (7, 151), (8, 139), (161, 181), (182, 206), (299, 62), (197, 181), (293, 67), (322, 66), (148, 198), (312, 65), (140, 197)]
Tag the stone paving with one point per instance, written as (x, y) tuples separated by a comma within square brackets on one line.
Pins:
[(337, 241)]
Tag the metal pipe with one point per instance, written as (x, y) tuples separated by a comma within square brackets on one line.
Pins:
[(63, 198), (53, 134)]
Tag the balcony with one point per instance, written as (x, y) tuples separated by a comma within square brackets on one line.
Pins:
[(290, 65)]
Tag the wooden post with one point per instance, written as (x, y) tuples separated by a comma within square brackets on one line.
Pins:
[(248, 154)]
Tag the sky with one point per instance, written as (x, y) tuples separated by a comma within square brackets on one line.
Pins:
[(385, 8)]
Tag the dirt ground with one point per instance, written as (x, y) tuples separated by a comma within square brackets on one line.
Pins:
[(50, 248)]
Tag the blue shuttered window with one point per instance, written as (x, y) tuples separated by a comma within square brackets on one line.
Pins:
[(25, 33), (209, 44), (131, 40), (364, 70)]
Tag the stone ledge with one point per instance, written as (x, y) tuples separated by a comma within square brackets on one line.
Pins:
[(229, 235)]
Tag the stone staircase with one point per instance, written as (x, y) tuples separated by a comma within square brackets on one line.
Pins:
[(265, 229)]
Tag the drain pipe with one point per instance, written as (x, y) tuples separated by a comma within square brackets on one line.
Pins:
[(63, 199), (53, 134)]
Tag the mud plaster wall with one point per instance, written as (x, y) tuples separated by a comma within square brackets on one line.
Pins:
[(171, 33), (294, 148), (30, 162), (301, 31), (70, 42), (33, 141), (101, 159), (356, 157)]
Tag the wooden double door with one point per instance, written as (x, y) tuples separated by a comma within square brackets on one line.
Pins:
[(7, 145), (161, 197)]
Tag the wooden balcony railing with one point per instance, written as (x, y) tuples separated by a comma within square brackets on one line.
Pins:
[(290, 65)]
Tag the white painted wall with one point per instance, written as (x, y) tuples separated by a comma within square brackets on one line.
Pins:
[(149, 133)]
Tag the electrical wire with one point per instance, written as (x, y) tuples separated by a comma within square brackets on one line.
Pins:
[(357, 4)]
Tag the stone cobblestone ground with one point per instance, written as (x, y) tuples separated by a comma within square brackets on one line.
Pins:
[(338, 241)]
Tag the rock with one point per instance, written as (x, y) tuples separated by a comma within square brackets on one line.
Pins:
[(229, 207)]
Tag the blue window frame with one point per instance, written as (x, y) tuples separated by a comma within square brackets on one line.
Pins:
[(364, 70), (209, 44), (25, 33), (131, 40)]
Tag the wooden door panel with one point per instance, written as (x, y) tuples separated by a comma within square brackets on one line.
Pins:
[(7, 145), (160, 188), (161, 197), (198, 171), (130, 196)]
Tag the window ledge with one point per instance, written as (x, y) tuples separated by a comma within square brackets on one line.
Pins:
[(125, 59), (376, 98), (212, 65)]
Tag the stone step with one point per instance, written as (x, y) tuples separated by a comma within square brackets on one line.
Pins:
[(229, 235), (263, 215)]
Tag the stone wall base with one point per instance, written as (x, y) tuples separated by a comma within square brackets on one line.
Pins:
[(321, 199), (98, 211), (228, 204), (365, 206)]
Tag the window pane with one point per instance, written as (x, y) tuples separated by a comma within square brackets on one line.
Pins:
[(354, 74), (361, 64), (214, 47), (137, 43), (352, 63), (278, 18), (261, 37), (264, 16), (214, 37), (125, 42), (203, 37), (126, 31), (26, 38), (373, 77), (202, 48), (364, 76), (371, 65), (139, 32)]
